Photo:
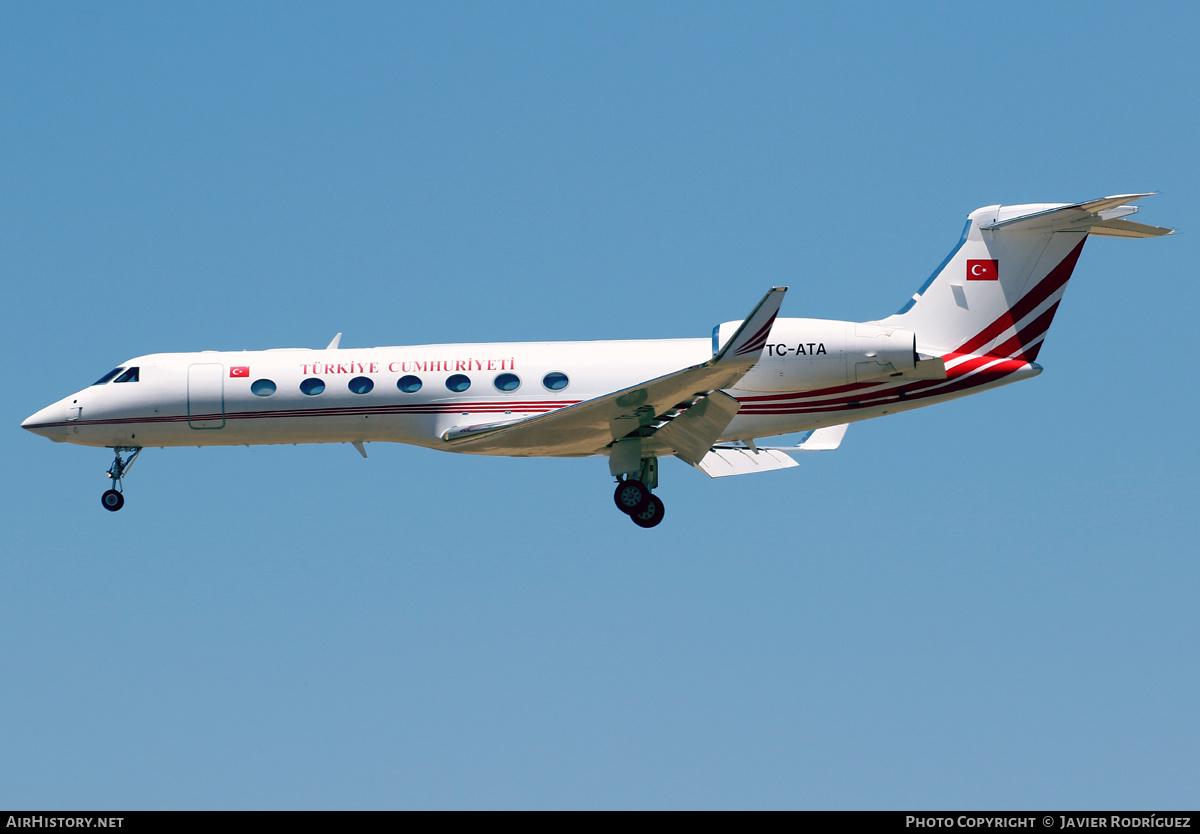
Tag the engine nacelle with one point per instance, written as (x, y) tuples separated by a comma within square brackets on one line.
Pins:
[(802, 354)]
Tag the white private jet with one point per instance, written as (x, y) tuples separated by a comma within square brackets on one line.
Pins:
[(977, 323)]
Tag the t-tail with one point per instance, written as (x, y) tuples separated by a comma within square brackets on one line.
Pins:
[(996, 293)]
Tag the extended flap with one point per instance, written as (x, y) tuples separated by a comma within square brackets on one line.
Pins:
[(721, 463), (693, 433)]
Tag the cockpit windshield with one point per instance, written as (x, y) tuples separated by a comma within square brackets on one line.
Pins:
[(131, 375), (108, 376)]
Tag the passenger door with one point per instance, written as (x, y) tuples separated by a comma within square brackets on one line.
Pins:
[(206, 396)]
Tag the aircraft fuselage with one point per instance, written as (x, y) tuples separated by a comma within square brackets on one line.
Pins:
[(406, 394)]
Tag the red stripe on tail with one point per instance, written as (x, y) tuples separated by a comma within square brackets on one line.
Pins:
[(1029, 302)]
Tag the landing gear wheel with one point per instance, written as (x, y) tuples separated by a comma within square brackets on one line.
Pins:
[(112, 500), (652, 516), (631, 496)]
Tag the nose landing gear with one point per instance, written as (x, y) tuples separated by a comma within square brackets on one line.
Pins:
[(112, 499)]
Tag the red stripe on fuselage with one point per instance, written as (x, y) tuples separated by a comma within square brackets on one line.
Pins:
[(903, 393), (333, 411)]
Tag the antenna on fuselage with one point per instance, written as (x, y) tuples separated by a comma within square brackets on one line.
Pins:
[(336, 341)]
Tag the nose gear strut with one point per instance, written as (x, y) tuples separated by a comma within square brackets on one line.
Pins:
[(112, 499)]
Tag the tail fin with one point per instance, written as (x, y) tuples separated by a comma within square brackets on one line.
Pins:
[(997, 291)]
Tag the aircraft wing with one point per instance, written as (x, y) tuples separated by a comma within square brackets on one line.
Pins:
[(682, 405)]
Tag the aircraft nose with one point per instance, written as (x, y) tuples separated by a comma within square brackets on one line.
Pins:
[(48, 423)]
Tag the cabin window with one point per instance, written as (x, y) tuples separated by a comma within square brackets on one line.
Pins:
[(361, 385), (459, 383), (409, 384), (108, 376), (130, 375), (262, 388), (312, 386), (555, 380), (507, 382)]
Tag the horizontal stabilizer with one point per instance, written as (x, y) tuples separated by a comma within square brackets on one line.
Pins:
[(1127, 228), (726, 461), (1077, 217)]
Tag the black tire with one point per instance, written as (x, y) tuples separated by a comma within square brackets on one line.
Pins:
[(631, 496), (112, 500), (652, 516)]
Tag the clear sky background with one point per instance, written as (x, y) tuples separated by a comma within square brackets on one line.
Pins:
[(986, 604)]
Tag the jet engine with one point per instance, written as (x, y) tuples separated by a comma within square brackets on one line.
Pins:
[(803, 354)]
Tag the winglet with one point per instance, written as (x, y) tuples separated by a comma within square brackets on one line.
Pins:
[(751, 337), (336, 341)]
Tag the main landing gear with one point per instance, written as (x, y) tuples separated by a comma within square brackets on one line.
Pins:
[(633, 496), (648, 511), (113, 499)]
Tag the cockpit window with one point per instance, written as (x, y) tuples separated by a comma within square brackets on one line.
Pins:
[(130, 375), (108, 376)]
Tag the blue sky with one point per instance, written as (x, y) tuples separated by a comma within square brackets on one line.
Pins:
[(986, 604)]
